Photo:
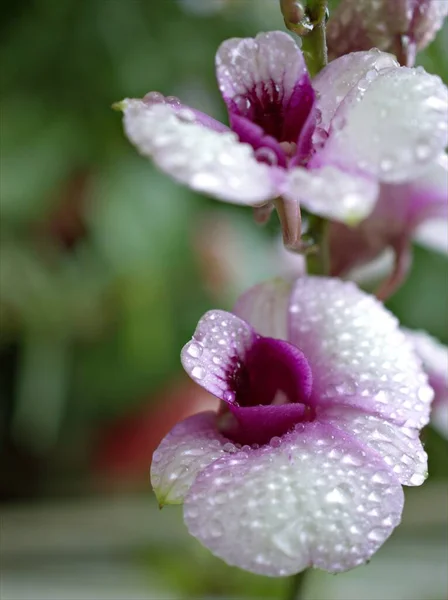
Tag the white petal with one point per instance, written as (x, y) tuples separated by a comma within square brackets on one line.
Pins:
[(269, 63), (277, 510), (265, 307), (400, 447), (356, 351), (340, 76), (433, 234), (332, 193), (220, 340), (206, 160), (393, 124), (189, 447)]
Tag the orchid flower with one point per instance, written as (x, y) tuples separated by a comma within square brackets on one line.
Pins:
[(327, 145), (399, 215), (434, 356), (322, 401), (402, 27)]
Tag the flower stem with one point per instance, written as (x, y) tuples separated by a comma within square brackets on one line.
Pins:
[(318, 259), (295, 586), (314, 44)]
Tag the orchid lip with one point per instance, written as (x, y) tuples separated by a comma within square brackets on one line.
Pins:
[(269, 391)]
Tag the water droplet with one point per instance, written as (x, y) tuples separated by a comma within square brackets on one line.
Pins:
[(173, 100), (417, 479), (275, 442), (194, 350), (216, 528), (216, 360), (266, 155), (376, 535), (380, 477), (198, 372), (422, 151), (339, 495), (229, 447), (157, 456), (229, 396), (154, 98), (186, 115), (242, 103)]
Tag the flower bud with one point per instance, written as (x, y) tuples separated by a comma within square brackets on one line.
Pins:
[(401, 27)]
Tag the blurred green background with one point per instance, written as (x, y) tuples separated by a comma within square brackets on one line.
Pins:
[(106, 266)]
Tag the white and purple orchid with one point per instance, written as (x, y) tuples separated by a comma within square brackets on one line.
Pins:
[(329, 145), (322, 403), (402, 27)]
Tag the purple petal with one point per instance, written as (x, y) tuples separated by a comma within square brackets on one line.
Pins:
[(265, 80), (341, 76), (356, 352), (188, 448), (280, 509), (182, 143), (392, 125), (400, 447), (267, 149)]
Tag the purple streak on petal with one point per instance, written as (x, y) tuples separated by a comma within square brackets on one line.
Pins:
[(267, 149)]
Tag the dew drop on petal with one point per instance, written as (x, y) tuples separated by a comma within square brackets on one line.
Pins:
[(194, 350), (266, 155), (198, 372)]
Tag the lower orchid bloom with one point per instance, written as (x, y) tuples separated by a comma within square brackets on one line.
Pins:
[(322, 403), (326, 144), (397, 217)]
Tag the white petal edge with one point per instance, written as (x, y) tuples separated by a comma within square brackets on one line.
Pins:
[(340, 76), (188, 448), (276, 511), (269, 59), (331, 193), (221, 340), (265, 308), (206, 160), (357, 353), (392, 125), (399, 447)]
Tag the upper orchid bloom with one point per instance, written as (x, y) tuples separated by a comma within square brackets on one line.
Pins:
[(434, 357), (322, 403), (326, 144), (401, 211), (402, 27)]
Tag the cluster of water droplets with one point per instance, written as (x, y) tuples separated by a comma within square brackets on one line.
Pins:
[(311, 498), (216, 352), (393, 123), (183, 144), (357, 352)]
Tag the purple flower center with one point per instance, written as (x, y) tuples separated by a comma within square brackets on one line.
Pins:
[(268, 392), (279, 127)]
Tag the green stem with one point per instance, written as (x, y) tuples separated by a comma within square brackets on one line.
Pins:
[(295, 586), (314, 44), (318, 257)]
